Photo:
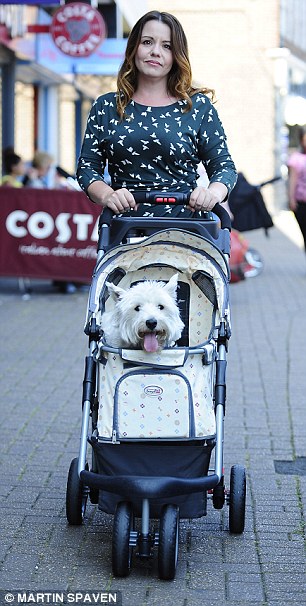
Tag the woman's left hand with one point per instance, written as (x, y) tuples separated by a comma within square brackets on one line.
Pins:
[(203, 199)]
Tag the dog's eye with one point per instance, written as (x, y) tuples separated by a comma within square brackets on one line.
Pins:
[(137, 308), (161, 307)]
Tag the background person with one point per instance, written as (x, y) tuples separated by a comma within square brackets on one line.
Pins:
[(14, 169), (37, 176), (38, 179), (297, 184), (156, 128)]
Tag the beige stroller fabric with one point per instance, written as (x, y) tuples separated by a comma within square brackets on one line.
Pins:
[(148, 402), (168, 394), (159, 257)]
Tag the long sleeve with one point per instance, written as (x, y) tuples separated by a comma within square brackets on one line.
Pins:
[(92, 159), (213, 150)]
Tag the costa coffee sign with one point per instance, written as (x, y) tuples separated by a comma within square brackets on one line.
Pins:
[(77, 29), (48, 234)]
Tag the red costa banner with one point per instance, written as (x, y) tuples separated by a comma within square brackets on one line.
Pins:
[(47, 234)]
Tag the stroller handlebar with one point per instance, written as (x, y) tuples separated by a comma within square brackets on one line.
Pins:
[(173, 199), (223, 215), (269, 182)]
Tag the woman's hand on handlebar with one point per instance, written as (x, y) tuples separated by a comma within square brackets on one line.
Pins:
[(119, 201), (104, 195), (203, 199)]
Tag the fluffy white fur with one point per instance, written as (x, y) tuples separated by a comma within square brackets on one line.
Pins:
[(146, 316)]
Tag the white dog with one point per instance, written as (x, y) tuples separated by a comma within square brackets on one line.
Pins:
[(145, 316)]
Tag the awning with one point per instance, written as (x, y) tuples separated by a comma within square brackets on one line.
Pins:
[(40, 49), (30, 72)]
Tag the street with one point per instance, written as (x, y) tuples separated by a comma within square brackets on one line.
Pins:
[(42, 365)]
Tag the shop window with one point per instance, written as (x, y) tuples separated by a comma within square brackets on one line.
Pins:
[(108, 12), (24, 120), (66, 143)]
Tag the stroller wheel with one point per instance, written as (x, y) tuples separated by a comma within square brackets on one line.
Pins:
[(237, 499), (121, 549), (76, 496), (218, 496), (168, 542), (255, 262)]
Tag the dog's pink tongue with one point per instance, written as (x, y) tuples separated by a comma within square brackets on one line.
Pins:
[(150, 343)]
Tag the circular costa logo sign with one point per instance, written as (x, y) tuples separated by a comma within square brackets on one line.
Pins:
[(77, 29)]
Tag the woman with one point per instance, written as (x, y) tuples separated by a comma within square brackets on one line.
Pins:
[(156, 128), (297, 184)]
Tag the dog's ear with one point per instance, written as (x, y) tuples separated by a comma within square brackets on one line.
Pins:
[(171, 286), (115, 291)]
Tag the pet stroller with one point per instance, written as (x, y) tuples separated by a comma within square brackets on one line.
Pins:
[(154, 420)]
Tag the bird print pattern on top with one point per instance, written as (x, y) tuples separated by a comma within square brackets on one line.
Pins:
[(155, 148)]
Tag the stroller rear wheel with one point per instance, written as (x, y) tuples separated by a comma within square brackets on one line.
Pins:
[(168, 542), (121, 549), (237, 499), (94, 492), (76, 496)]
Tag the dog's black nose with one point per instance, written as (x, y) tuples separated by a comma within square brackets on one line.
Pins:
[(151, 323)]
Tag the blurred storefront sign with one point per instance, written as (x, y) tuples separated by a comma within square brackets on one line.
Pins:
[(104, 61), (77, 29), (47, 234), (78, 45), (31, 2)]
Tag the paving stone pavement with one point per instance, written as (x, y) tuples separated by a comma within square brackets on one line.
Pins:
[(41, 366)]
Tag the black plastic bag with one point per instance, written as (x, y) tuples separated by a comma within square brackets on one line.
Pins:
[(248, 206)]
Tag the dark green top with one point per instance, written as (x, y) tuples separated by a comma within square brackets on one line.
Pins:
[(155, 148)]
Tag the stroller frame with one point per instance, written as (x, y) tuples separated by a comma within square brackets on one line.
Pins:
[(83, 482)]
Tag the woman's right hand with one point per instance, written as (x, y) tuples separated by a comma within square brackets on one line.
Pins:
[(293, 205), (119, 201), (104, 195)]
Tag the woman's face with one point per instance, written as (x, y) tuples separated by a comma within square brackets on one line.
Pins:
[(154, 58)]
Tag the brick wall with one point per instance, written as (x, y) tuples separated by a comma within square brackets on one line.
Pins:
[(228, 44)]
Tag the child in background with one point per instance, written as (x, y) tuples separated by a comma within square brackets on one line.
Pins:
[(37, 176)]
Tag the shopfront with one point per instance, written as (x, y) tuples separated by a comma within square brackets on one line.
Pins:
[(47, 93)]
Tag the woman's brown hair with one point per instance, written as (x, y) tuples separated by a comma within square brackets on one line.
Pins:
[(180, 76)]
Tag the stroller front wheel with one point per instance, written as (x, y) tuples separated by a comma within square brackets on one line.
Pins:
[(237, 499), (121, 549), (168, 542), (76, 496)]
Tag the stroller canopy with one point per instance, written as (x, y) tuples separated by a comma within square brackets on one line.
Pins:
[(196, 259)]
